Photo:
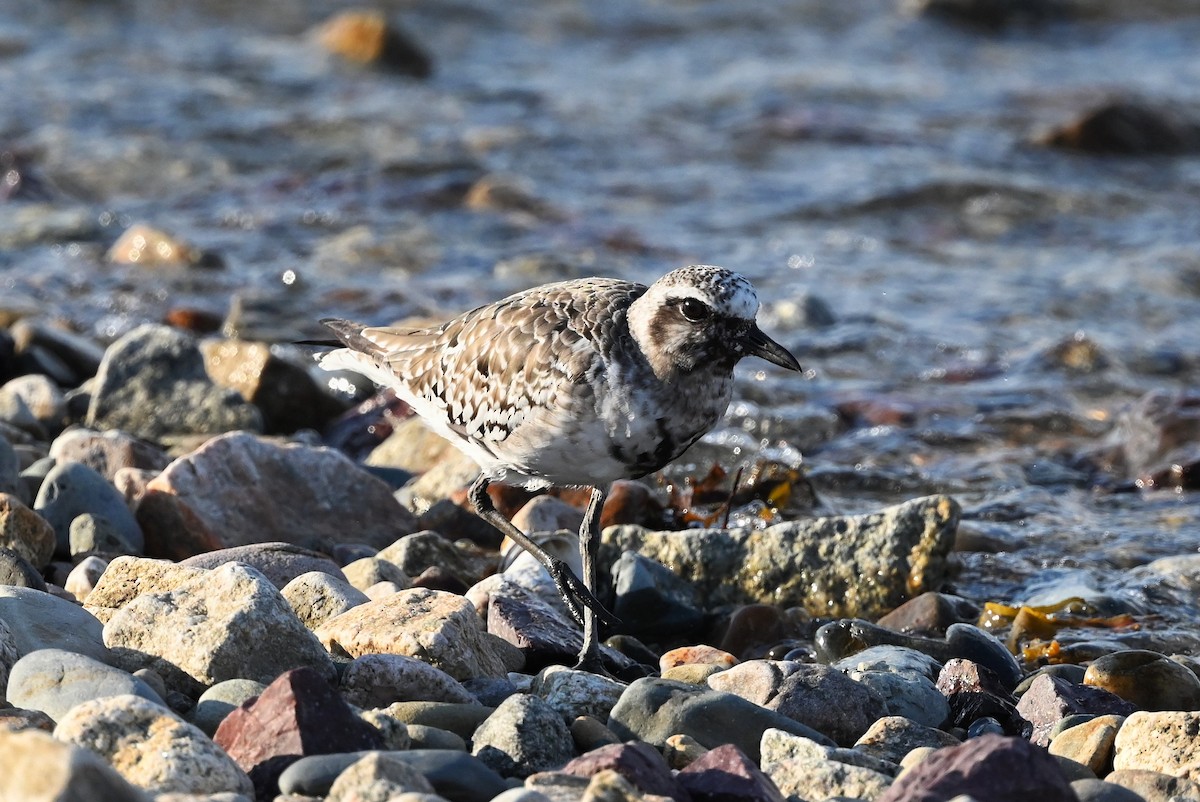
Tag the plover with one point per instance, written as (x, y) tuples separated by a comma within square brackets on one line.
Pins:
[(576, 383)]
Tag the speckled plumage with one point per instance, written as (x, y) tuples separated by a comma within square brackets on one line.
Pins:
[(576, 383)]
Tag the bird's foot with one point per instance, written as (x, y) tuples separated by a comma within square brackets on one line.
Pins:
[(593, 665), (577, 596)]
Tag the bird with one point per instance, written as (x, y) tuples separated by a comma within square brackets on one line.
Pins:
[(577, 383)]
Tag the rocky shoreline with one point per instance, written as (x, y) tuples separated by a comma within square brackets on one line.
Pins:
[(202, 601)]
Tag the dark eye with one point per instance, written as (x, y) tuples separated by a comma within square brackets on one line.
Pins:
[(694, 310)]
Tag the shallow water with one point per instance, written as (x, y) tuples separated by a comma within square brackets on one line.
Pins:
[(995, 304)]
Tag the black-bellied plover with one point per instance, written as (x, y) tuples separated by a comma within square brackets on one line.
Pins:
[(576, 383)]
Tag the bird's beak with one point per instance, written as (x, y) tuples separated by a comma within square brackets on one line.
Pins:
[(759, 344)]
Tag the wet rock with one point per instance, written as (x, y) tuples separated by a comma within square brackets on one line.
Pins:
[(378, 776), (144, 245), (651, 601), (817, 696), (838, 639), (37, 620), (16, 571), (1050, 699), (652, 710), (1165, 741), (892, 737), (283, 391), (753, 629), (151, 747), (71, 489), (126, 578), (819, 564), (992, 767), (298, 714), (1154, 428), (25, 532), (39, 768), (1149, 680), (222, 699), (974, 692), (316, 597), (368, 571), (457, 776), (1090, 743), (152, 383), (576, 693), (233, 485), (95, 534), (194, 635), (377, 680), (726, 773), (637, 762), (54, 681), (931, 614), (523, 736), (436, 627), (367, 37), (73, 356), (990, 13), (84, 576), (1155, 786), (1127, 127), (280, 563), (107, 452)]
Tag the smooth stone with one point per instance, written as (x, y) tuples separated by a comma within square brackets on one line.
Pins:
[(127, 578), (1090, 743), (37, 620), (378, 776), (298, 714), (930, 614), (280, 563), (909, 693), (1149, 680), (25, 532), (698, 654), (89, 534), (651, 601), (422, 736), (220, 700), (1092, 790), (416, 552), (691, 673), (457, 776), (819, 697), (892, 737), (17, 572), (490, 691), (458, 718), (724, 773), (453, 520), (522, 736), (548, 514), (107, 452), (588, 734), (151, 747), (653, 710), (860, 565), (989, 767), (40, 768), (80, 356), (377, 680), (71, 489), (54, 681), (195, 635), (1164, 741), (316, 597), (1050, 699), (1155, 786), (233, 483), (576, 693), (152, 383), (436, 627), (754, 628), (10, 469), (368, 571)]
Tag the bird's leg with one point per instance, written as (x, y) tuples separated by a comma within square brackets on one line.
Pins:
[(589, 546), (576, 594)]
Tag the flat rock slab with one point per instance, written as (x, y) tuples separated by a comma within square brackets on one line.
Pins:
[(248, 489), (856, 565)]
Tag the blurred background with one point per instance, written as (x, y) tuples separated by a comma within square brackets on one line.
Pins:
[(977, 223)]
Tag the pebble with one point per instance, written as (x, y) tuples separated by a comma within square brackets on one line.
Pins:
[(892, 737), (975, 693), (524, 735), (71, 489), (367, 37), (195, 635), (377, 680), (232, 485), (378, 776), (576, 693), (39, 397), (151, 747), (700, 654), (24, 531), (37, 620), (220, 700), (1090, 743), (861, 565), (726, 772), (10, 468), (316, 597), (1050, 699), (39, 767), (152, 383), (931, 614), (16, 571), (368, 571), (422, 736), (280, 563), (1163, 741), (54, 681), (298, 714), (1149, 680), (95, 534), (83, 577), (419, 551)]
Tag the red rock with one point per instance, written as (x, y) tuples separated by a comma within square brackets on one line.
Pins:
[(992, 767), (172, 529), (726, 774), (637, 762), (299, 714), (1050, 699), (975, 692)]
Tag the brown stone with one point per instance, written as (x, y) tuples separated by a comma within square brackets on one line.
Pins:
[(726, 773), (1149, 680), (25, 532)]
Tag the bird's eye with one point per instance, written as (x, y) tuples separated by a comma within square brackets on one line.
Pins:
[(694, 310)]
